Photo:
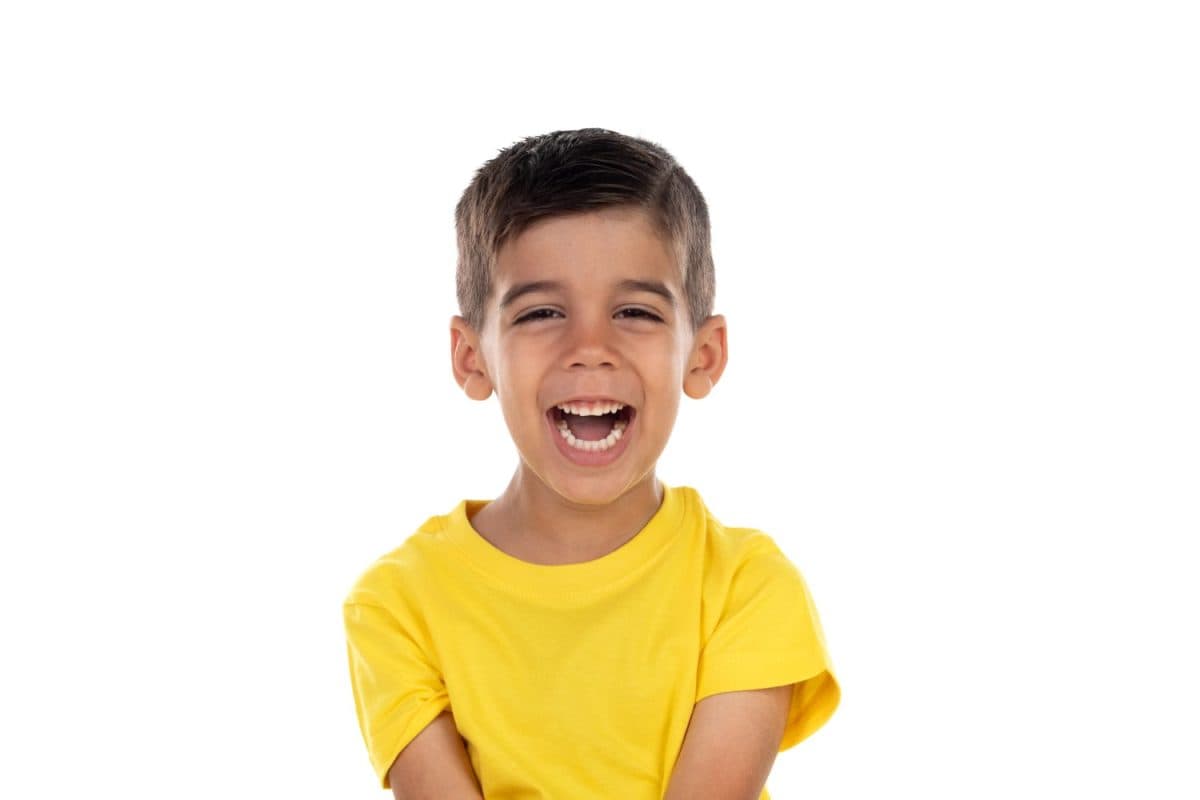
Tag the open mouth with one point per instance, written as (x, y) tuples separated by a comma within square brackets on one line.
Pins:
[(592, 426)]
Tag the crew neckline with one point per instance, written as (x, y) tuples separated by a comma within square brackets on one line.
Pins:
[(597, 573)]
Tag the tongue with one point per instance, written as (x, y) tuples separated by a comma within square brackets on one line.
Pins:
[(590, 428)]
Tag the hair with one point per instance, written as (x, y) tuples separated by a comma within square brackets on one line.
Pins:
[(567, 172)]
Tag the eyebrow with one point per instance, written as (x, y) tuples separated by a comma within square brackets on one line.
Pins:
[(521, 289)]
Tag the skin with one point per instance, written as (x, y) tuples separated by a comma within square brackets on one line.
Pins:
[(730, 746), (435, 766), (589, 337)]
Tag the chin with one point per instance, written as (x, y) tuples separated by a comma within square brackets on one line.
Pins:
[(592, 490)]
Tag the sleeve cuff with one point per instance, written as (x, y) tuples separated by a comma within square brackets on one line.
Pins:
[(815, 690), (388, 743)]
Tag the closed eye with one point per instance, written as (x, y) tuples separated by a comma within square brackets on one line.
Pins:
[(537, 313), (641, 313)]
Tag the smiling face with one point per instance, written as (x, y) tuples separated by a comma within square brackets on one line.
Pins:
[(587, 316)]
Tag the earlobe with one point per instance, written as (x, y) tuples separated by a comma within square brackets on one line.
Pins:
[(467, 362), (697, 385), (477, 387), (710, 352)]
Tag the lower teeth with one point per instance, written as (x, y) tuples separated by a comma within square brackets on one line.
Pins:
[(593, 445)]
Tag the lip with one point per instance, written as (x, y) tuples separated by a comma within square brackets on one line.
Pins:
[(591, 398), (591, 458)]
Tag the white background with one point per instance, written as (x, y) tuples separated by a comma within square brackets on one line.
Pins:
[(956, 244)]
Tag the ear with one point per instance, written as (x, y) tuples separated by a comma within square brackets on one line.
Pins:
[(467, 361), (710, 351)]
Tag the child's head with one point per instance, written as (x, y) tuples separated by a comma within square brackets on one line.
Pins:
[(568, 172), (585, 281)]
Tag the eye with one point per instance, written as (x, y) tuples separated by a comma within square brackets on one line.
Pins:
[(537, 313), (640, 313)]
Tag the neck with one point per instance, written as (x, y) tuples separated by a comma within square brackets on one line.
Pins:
[(534, 523)]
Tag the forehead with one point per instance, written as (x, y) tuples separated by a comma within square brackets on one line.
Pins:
[(604, 246)]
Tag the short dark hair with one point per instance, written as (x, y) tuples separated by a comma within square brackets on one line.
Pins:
[(568, 172)]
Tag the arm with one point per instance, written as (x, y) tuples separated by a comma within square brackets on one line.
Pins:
[(730, 745), (434, 766)]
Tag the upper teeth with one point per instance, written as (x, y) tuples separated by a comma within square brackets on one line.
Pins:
[(592, 410)]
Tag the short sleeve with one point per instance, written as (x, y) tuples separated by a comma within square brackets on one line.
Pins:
[(768, 635), (397, 690)]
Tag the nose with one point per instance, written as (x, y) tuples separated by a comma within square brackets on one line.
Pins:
[(591, 345)]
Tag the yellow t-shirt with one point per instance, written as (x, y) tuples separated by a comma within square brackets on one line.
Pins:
[(577, 681)]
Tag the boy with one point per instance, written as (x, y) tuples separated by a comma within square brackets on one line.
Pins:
[(590, 633)]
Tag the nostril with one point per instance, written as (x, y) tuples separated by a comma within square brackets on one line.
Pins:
[(601, 364)]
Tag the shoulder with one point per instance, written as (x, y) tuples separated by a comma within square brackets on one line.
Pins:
[(740, 560), (399, 573), (728, 546)]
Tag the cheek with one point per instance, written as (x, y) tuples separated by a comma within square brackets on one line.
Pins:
[(524, 367), (663, 377)]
